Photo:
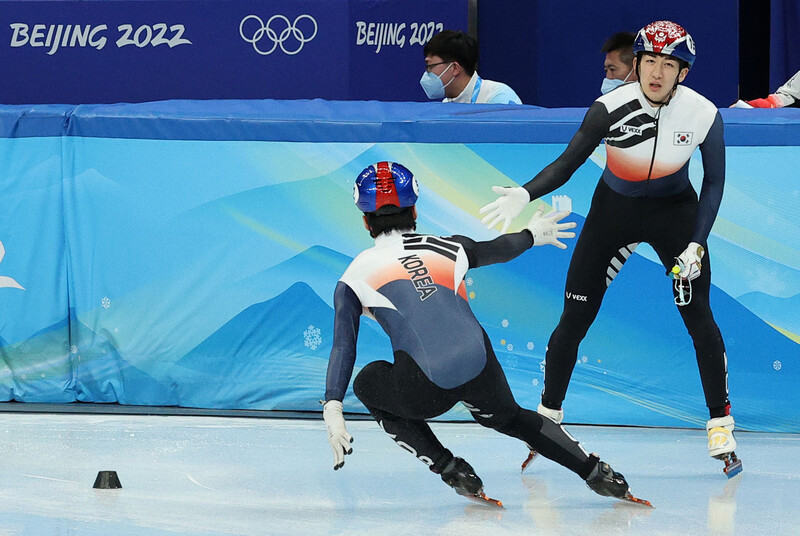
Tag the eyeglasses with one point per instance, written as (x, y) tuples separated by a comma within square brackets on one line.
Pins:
[(429, 67)]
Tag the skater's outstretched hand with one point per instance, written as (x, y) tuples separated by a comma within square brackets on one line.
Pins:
[(547, 230), (337, 432), (506, 207)]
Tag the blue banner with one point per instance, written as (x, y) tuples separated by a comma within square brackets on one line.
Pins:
[(154, 255), (73, 51)]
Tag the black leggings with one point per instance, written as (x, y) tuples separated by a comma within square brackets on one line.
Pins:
[(614, 223), (400, 397)]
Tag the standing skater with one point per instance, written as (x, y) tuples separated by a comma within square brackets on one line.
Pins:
[(651, 129), (413, 285)]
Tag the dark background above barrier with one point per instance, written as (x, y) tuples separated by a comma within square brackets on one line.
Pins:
[(550, 51), (144, 50), (72, 51)]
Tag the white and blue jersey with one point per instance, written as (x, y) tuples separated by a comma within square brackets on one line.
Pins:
[(413, 286), (648, 149)]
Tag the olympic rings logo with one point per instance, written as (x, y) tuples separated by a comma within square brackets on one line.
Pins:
[(278, 33)]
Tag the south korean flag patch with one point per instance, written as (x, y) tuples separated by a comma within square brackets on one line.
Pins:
[(682, 138)]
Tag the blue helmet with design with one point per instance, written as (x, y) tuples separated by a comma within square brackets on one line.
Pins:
[(665, 37), (384, 184)]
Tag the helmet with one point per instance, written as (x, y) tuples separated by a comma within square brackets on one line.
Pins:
[(665, 37), (385, 183)]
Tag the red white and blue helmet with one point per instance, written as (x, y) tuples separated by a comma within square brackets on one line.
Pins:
[(665, 37), (385, 183)]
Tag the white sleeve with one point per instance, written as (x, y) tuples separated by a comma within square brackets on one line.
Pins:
[(502, 94), (789, 93)]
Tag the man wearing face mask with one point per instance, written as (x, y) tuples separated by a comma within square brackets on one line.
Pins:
[(450, 61), (618, 63), (651, 128)]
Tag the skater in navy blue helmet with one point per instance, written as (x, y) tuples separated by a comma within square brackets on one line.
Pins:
[(651, 129), (413, 286)]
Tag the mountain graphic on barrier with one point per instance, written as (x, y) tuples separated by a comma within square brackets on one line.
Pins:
[(282, 346), (103, 375), (90, 369), (652, 370), (782, 312), (319, 267)]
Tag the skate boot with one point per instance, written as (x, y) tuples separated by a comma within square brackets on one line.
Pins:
[(721, 444), (555, 415), (603, 480), (460, 476)]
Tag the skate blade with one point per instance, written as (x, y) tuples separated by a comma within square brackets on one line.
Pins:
[(481, 498), (630, 498), (733, 465), (531, 456)]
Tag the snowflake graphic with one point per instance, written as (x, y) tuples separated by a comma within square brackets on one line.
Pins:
[(504, 323), (777, 365), (312, 337), (469, 281), (535, 382), (542, 365), (73, 349), (584, 359), (105, 302), (530, 345), (512, 361), (510, 347)]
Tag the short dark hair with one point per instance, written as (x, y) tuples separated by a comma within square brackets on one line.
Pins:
[(390, 218), (622, 41), (451, 45)]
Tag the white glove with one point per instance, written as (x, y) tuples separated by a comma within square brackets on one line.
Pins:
[(547, 230), (506, 207), (337, 433), (688, 263)]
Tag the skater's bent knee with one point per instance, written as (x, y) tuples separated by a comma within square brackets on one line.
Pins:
[(372, 378)]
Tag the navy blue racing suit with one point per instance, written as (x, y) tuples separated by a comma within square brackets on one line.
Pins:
[(413, 286)]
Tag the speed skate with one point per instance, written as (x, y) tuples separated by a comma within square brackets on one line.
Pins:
[(722, 444)]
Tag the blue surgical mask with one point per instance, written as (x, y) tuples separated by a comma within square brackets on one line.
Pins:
[(433, 85), (612, 83)]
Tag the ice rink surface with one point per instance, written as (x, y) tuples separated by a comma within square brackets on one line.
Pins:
[(203, 475)]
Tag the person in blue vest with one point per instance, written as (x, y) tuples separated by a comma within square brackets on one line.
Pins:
[(451, 60), (413, 286)]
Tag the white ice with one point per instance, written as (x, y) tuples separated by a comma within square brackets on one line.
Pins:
[(251, 476)]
